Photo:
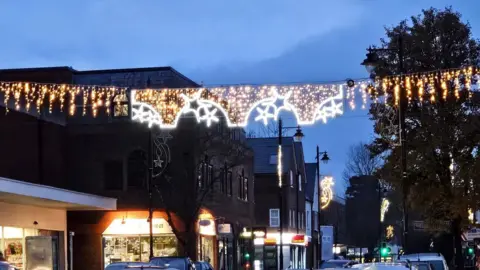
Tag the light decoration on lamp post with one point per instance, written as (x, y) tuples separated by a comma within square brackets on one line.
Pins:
[(384, 208), (327, 191)]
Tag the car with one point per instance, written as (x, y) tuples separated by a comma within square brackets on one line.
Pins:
[(200, 265), (130, 265), (173, 262), (421, 266), (436, 260), (382, 266), (6, 266), (336, 264)]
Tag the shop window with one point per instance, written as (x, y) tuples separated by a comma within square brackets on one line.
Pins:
[(137, 169), (243, 187), (13, 246), (113, 175)]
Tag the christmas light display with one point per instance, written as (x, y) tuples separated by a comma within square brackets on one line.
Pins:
[(326, 191), (390, 232), (384, 208), (309, 103)]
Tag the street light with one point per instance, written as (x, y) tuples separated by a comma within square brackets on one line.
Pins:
[(325, 158), (298, 136), (370, 63)]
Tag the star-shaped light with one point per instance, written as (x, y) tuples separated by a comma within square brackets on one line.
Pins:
[(158, 163), (336, 108), (164, 136), (209, 116), (265, 114)]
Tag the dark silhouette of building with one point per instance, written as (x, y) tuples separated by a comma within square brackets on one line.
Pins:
[(108, 156), (267, 195)]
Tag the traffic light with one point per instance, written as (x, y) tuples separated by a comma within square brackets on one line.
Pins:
[(247, 256), (385, 250), (470, 251)]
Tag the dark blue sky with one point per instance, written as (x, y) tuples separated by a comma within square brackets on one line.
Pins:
[(218, 41)]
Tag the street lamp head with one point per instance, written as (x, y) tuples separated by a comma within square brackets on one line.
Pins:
[(298, 136), (325, 158), (371, 61)]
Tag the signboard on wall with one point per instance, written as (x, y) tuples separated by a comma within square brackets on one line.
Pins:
[(140, 226)]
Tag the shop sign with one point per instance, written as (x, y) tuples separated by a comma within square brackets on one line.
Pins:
[(298, 239), (207, 227), (137, 226), (270, 241), (224, 228)]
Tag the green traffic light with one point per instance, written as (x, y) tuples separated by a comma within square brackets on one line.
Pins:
[(247, 256), (470, 250), (384, 252)]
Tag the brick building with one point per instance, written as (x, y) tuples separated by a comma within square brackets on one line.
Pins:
[(267, 201), (108, 156)]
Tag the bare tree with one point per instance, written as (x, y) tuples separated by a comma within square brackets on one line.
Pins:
[(360, 162), (184, 189)]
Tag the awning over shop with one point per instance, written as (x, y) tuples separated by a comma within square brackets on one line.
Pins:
[(18, 192)]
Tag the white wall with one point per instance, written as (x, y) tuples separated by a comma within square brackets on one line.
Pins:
[(23, 216)]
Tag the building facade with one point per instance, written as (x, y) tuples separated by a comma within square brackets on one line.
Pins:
[(312, 207), (268, 211), (110, 156)]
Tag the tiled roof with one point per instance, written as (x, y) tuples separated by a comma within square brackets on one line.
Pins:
[(265, 148), (311, 172)]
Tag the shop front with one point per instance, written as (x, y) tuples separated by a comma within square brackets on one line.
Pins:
[(207, 239), (226, 243), (267, 249), (34, 217), (127, 239)]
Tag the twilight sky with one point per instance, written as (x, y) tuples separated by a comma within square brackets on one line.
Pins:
[(218, 42)]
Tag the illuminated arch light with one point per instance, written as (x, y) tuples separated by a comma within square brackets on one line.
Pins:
[(384, 208), (308, 103), (327, 191)]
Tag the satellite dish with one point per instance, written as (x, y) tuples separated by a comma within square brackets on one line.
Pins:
[(204, 222)]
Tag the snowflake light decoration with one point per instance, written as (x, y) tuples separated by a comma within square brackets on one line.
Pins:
[(308, 103)]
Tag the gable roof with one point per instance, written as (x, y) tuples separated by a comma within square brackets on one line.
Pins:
[(265, 148), (311, 172)]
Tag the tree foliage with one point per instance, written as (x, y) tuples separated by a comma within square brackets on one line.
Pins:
[(442, 138), (196, 172), (360, 161)]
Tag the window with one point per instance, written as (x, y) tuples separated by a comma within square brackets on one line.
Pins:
[(243, 187), (290, 218), (274, 217), (315, 223), (205, 176), (299, 182), (137, 169), (291, 179), (273, 159), (308, 220), (229, 183), (299, 220), (113, 175)]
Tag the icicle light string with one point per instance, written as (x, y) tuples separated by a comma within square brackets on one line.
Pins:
[(309, 103)]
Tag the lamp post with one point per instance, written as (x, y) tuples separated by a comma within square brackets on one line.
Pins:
[(325, 158), (370, 64), (297, 137)]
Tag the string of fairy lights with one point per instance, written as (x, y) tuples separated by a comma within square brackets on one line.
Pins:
[(309, 103)]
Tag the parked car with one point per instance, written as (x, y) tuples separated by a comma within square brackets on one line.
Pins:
[(382, 266), (336, 264), (6, 266), (203, 266), (130, 265), (179, 263), (436, 260)]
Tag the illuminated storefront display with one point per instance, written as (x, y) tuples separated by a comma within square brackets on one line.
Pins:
[(127, 239), (207, 238)]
